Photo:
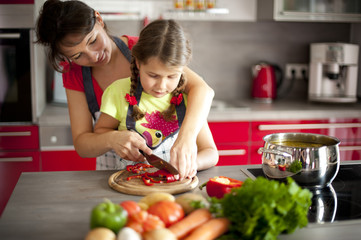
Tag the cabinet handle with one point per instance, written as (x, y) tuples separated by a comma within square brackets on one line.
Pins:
[(232, 152), (9, 35), (307, 126), (350, 148), (17, 159), (15, 134)]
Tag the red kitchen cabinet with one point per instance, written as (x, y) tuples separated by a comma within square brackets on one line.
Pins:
[(231, 139), (65, 160), (19, 152), (348, 131)]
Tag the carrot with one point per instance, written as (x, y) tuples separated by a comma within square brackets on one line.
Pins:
[(190, 222), (210, 230)]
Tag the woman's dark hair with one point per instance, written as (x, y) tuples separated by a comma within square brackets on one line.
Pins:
[(166, 40), (58, 19)]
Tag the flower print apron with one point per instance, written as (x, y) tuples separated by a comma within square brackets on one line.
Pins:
[(108, 160), (162, 134)]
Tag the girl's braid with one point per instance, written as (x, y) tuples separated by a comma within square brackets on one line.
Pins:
[(137, 112), (168, 113)]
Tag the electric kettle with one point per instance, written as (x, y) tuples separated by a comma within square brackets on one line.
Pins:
[(266, 79)]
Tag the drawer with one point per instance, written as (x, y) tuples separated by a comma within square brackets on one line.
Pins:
[(349, 152), (12, 164), (19, 137), (255, 157), (229, 132), (55, 136), (232, 154), (65, 161)]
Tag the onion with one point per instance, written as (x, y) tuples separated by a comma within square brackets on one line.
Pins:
[(100, 233)]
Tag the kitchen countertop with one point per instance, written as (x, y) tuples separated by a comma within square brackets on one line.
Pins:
[(246, 110), (57, 205)]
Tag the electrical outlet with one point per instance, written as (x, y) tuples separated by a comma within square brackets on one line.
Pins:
[(300, 70)]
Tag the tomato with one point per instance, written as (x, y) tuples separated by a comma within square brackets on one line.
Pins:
[(143, 221), (152, 222), (131, 207), (169, 212)]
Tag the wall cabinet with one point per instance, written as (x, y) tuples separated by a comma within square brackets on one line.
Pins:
[(225, 10), (309, 10), (19, 152)]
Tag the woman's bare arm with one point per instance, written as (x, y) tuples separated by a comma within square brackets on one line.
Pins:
[(87, 143)]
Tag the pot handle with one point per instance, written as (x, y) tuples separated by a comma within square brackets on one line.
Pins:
[(276, 152)]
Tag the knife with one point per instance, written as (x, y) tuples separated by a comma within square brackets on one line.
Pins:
[(156, 161), (160, 163)]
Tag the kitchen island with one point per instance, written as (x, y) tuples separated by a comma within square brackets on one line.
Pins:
[(57, 205)]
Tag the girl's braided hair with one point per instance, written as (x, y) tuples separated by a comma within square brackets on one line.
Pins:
[(166, 40)]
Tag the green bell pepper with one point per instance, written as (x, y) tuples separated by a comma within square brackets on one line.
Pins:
[(108, 215)]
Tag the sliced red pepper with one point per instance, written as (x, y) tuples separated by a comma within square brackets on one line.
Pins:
[(147, 182), (155, 181), (218, 186), (133, 177), (163, 174), (149, 179), (130, 168)]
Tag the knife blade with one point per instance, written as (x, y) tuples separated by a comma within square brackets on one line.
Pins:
[(160, 163), (156, 161)]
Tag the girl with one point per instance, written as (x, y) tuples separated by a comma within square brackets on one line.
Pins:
[(152, 101), (78, 44)]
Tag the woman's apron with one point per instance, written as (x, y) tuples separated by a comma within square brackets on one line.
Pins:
[(110, 160)]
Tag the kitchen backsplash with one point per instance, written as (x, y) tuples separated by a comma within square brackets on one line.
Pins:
[(223, 52)]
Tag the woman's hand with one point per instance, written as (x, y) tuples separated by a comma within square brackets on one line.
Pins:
[(127, 144), (183, 156)]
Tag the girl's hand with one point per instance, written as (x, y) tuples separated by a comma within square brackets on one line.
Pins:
[(127, 145), (183, 156)]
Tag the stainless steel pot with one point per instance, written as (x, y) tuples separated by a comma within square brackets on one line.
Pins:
[(312, 160)]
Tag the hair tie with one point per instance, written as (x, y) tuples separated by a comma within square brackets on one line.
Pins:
[(131, 99), (177, 100)]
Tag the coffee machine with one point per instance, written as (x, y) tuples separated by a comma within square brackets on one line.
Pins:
[(333, 72)]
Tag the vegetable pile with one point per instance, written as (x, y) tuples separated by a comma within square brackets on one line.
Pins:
[(157, 216), (253, 209), (263, 209)]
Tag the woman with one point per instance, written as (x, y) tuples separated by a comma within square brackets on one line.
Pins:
[(76, 36)]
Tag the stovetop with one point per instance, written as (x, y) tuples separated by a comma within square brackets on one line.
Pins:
[(338, 202)]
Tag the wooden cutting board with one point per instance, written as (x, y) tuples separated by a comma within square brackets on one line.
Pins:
[(118, 181)]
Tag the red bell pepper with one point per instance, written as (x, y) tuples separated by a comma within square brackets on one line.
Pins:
[(218, 186), (282, 167)]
